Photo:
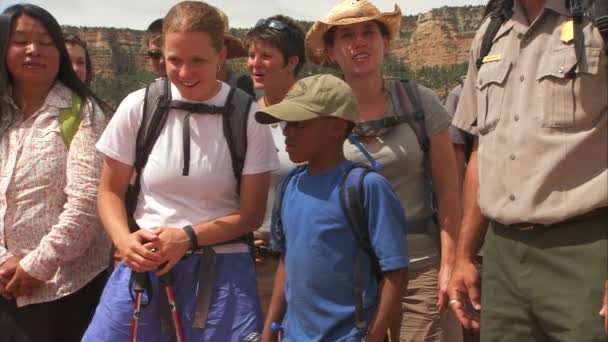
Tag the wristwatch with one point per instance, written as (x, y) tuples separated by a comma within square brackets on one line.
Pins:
[(192, 236)]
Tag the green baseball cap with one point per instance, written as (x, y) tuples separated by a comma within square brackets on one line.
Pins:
[(313, 97)]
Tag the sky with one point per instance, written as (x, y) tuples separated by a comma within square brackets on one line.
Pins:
[(137, 14)]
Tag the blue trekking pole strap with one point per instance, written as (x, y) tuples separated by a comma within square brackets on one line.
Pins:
[(375, 165)]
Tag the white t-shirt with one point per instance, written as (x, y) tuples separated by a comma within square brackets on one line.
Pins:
[(286, 165), (168, 199)]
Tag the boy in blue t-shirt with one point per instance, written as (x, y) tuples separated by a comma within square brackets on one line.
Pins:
[(313, 293)]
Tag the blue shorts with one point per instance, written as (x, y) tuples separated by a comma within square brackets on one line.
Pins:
[(234, 312)]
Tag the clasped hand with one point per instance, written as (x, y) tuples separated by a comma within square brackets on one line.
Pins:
[(161, 249), (15, 282)]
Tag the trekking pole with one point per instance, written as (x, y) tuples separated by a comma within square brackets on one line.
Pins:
[(167, 283), (139, 283)]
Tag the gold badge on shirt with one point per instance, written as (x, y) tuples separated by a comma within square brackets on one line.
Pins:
[(491, 58), (567, 32)]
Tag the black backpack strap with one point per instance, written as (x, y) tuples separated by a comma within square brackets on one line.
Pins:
[(599, 15), (351, 200), (234, 123), (577, 11), (497, 18), (276, 225), (418, 125), (155, 109), (411, 111), (245, 83)]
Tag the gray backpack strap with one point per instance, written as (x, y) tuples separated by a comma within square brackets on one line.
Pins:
[(234, 124)]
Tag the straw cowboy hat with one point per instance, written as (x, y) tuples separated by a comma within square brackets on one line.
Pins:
[(344, 13), (235, 47)]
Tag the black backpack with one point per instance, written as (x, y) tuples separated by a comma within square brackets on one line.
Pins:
[(156, 107), (596, 9), (351, 200)]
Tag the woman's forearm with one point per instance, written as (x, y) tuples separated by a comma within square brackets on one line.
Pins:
[(445, 185), (249, 217), (225, 228), (113, 215)]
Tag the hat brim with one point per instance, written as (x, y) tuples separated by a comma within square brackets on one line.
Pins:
[(285, 111), (235, 47), (315, 46)]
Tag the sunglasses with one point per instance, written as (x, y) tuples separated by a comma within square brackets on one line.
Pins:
[(273, 24), (154, 54)]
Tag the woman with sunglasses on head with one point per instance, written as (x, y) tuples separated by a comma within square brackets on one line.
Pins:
[(191, 215), (276, 55), (53, 250), (355, 37)]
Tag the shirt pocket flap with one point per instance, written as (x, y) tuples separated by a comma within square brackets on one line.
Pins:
[(492, 73), (560, 62)]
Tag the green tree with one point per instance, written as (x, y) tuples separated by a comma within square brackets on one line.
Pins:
[(116, 89)]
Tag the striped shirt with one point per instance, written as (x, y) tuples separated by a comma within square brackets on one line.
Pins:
[(48, 212)]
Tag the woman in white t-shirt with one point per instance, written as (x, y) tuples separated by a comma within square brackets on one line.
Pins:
[(276, 54), (176, 211)]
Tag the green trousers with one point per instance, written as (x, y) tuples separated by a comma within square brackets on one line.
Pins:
[(545, 284)]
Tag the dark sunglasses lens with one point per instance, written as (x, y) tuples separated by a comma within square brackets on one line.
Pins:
[(260, 23), (277, 25), (273, 24), (154, 54)]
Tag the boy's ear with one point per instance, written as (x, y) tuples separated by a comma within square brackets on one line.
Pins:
[(336, 128)]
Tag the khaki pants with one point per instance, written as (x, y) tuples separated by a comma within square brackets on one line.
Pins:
[(545, 284), (419, 319)]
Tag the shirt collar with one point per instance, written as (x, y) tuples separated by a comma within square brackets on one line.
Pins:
[(60, 96), (558, 6)]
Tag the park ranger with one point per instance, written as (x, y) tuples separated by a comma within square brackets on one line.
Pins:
[(536, 96)]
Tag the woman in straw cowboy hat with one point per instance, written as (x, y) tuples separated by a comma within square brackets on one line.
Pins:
[(355, 37)]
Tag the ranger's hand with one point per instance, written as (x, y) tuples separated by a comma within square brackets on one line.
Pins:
[(463, 290)]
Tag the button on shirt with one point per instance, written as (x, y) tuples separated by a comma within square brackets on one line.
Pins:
[(543, 137), (48, 212)]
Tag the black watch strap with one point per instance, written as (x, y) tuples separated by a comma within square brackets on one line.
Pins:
[(192, 236)]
